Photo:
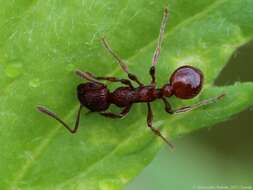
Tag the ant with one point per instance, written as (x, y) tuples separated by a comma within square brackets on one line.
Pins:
[(185, 83)]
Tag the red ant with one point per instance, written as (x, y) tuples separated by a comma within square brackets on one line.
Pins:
[(185, 83)]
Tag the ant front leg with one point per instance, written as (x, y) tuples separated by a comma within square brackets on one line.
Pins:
[(150, 125), (123, 113), (90, 77), (183, 109), (54, 116), (122, 64), (156, 55)]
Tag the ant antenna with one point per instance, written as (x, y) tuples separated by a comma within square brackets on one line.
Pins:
[(54, 116)]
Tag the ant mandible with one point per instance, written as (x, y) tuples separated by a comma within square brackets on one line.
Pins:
[(185, 83)]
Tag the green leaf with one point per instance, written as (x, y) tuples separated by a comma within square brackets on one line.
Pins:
[(43, 42)]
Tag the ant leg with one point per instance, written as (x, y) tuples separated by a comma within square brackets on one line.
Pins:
[(192, 107), (122, 64), (159, 45), (114, 79), (92, 78), (123, 113), (155, 131), (54, 116), (167, 108)]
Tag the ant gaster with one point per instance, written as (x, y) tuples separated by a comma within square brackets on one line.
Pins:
[(185, 83)]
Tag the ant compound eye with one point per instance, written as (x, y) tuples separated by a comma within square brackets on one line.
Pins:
[(186, 82)]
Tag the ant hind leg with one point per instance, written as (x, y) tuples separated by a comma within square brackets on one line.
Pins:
[(183, 109), (150, 125), (156, 55)]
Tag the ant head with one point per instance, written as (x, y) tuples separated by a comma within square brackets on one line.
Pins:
[(185, 83)]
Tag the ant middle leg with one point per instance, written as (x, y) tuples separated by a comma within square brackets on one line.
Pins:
[(150, 125), (90, 77), (156, 55), (54, 116), (122, 64), (183, 109), (123, 113)]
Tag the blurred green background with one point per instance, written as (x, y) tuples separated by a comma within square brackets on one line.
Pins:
[(216, 158)]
